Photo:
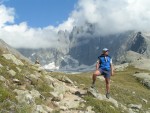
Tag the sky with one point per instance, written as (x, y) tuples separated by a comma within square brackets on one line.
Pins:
[(41, 13), (35, 23)]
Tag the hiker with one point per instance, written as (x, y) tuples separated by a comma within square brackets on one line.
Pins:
[(104, 67)]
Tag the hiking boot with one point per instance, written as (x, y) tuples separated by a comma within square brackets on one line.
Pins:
[(93, 86), (108, 95)]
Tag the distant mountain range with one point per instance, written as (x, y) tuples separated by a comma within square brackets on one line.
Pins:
[(81, 47)]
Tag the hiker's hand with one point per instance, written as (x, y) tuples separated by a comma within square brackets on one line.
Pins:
[(112, 73)]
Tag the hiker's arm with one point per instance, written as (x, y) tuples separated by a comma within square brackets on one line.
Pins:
[(112, 69), (97, 64)]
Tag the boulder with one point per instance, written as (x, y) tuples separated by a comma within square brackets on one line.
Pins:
[(56, 96), (89, 109), (49, 80), (65, 79), (35, 93), (121, 67), (135, 106), (142, 64), (24, 97), (13, 58), (144, 100), (1, 65), (17, 81), (2, 79), (19, 70), (60, 87), (42, 109), (144, 78), (12, 72), (33, 77), (99, 96)]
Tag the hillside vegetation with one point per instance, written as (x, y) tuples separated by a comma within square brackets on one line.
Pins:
[(28, 88)]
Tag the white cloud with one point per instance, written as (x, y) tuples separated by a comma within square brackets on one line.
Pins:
[(67, 25), (6, 15), (23, 36), (113, 16), (109, 16)]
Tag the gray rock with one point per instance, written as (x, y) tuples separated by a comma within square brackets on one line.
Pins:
[(17, 81), (60, 87), (142, 64), (70, 101), (65, 79), (18, 69), (49, 80), (56, 97), (35, 93), (13, 58), (1, 65), (12, 72), (24, 97), (33, 76), (40, 69), (2, 78), (99, 96), (130, 111), (121, 67), (89, 110), (135, 106), (144, 78), (101, 78), (144, 100), (59, 90), (29, 99), (42, 109), (64, 108)]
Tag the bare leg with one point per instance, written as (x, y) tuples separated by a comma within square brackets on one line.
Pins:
[(107, 80), (95, 74)]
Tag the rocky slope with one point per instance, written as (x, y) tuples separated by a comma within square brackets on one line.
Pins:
[(28, 88), (25, 87)]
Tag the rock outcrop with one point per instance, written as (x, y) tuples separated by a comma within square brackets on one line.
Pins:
[(144, 78)]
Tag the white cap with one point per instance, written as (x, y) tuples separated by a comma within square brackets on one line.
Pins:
[(105, 49)]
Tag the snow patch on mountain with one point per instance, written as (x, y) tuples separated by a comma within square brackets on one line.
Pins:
[(51, 66)]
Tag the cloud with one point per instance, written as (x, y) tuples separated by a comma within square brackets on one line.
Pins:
[(67, 25), (23, 36), (113, 16), (108, 16), (6, 15)]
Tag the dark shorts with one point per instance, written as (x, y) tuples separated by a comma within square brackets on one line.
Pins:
[(105, 73)]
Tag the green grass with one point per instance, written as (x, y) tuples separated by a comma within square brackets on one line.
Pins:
[(6, 97), (123, 86), (23, 109), (7, 93), (100, 106)]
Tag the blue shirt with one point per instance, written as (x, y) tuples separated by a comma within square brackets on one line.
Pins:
[(105, 62)]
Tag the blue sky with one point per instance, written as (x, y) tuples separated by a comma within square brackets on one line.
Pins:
[(41, 13)]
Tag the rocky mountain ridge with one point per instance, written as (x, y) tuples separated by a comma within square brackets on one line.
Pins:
[(82, 46)]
